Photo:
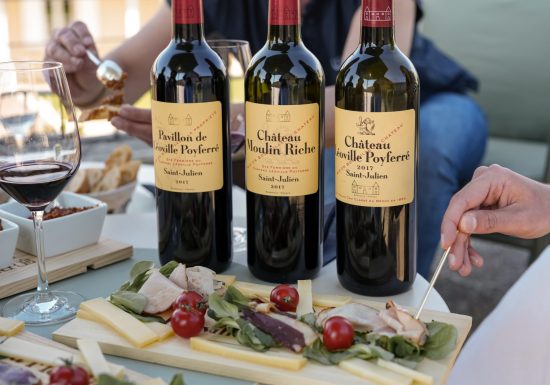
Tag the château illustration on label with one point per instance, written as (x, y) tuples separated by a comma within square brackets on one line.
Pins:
[(284, 93), (376, 142), (190, 119)]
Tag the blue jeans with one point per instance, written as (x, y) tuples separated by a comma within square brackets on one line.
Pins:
[(453, 135)]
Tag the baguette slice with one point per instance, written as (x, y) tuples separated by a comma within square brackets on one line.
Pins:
[(129, 172), (79, 184), (110, 181), (94, 175), (120, 156)]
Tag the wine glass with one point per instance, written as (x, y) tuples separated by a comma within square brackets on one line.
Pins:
[(236, 56), (39, 154)]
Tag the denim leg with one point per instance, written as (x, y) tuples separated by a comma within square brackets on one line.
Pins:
[(453, 135), (330, 182)]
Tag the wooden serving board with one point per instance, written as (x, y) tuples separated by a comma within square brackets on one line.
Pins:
[(21, 275), (45, 369), (176, 352)]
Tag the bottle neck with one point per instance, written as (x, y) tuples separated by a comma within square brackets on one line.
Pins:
[(377, 23), (284, 22), (187, 18)]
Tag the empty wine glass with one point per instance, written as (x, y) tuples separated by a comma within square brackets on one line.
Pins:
[(39, 154), (236, 56)]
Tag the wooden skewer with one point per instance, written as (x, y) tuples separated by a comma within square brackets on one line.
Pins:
[(432, 282)]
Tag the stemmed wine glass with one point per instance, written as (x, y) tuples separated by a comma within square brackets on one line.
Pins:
[(236, 56), (39, 154)]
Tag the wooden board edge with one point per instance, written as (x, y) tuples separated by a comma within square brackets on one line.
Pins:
[(118, 256)]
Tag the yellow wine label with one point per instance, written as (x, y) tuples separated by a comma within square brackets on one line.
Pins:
[(375, 157), (188, 146), (282, 149)]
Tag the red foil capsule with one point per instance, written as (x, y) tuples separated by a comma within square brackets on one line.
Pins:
[(187, 11), (284, 12), (377, 13)]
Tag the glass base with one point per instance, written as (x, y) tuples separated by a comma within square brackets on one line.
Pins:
[(43, 308)]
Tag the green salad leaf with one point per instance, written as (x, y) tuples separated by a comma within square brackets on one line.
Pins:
[(138, 275), (105, 379), (310, 320), (318, 352), (219, 308), (251, 336), (234, 296), (140, 317), (441, 340), (398, 346), (132, 301), (227, 323), (168, 268), (177, 380)]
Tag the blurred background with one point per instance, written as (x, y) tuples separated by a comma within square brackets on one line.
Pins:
[(503, 42)]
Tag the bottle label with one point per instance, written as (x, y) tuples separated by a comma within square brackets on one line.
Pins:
[(188, 146), (284, 12), (187, 11), (282, 149), (375, 157), (377, 13)]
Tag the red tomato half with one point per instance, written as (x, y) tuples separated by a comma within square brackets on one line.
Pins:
[(285, 297), (187, 324), (338, 333), (69, 375)]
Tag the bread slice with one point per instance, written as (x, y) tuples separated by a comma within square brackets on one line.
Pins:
[(102, 112), (110, 181), (129, 172), (120, 156), (79, 183), (94, 175)]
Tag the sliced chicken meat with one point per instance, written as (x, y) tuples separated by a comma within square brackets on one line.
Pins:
[(201, 280), (160, 293), (363, 318), (179, 277), (404, 324)]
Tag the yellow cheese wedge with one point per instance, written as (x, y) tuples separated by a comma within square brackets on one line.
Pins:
[(374, 373), (94, 358), (227, 279), (10, 327), (123, 323), (163, 331), (252, 290), (283, 360), (19, 348), (417, 376), (153, 381), (305, 303)]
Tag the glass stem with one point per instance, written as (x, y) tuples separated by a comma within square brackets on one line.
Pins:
[(42, 289)]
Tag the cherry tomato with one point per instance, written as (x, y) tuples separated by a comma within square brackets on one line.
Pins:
[(338, 333), (187, 324), (285, 297), (69, 374), (189, 300)]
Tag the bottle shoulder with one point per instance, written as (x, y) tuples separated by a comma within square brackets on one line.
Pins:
[(289, 62), (188, 60), (375, 63)]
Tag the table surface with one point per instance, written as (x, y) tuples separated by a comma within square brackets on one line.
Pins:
[(139, 228)]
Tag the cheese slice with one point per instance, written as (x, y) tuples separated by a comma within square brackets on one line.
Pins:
[(94, 358), (305, 302), (283, 360), (163, 331), (227, 279), (19, 348), (123, 323), (153, 381), (417, 376), (10, 327), (374, 373), (254, 290)]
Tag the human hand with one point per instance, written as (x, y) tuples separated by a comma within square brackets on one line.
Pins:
[(135, 122), (68, 46), (497, 200)]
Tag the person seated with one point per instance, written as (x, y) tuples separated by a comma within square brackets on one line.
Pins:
[(511, 345), (453, 129)]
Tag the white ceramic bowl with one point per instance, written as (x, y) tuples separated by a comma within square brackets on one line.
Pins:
[(8, 240), (63, 234), (116, 199)]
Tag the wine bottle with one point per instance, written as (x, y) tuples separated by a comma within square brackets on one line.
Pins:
[(376, 139), (284, 93), (190, 112)]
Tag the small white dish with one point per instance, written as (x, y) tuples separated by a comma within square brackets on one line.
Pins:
[(63, 234), (8, 240)]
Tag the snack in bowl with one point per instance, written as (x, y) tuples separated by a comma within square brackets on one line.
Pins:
[(62, 234), (9, 233), (114, 184)]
